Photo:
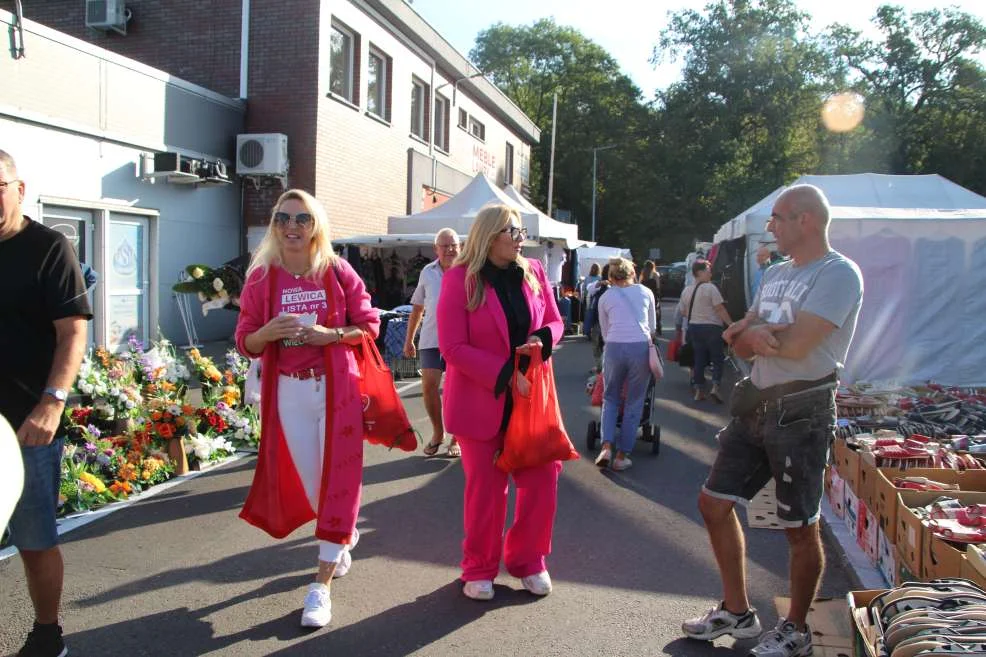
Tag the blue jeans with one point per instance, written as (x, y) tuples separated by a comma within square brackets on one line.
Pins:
[(624, 363), (33, 525), (707, 341)]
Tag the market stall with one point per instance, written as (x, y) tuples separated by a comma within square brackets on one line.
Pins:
[(919, 241)]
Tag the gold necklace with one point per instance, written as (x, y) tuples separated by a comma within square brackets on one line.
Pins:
[(297, 276)]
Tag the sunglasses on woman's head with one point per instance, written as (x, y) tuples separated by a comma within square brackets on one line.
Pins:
[(302, 219)]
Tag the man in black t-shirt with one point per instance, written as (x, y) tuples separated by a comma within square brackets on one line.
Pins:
[(43, 315)]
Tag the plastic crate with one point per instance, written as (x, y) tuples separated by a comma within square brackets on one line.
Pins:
[(405, 368)]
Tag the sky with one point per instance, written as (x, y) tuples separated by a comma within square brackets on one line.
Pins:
[(629, 29)]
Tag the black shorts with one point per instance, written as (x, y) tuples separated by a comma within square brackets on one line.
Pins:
[(787, 439)]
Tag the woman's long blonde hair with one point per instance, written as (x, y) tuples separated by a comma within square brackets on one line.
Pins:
[(490, 221), (321, 255)]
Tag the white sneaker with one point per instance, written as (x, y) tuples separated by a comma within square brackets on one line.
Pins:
[(318, 606), (346, 562), (605, 456), (622, 463), (480, 589), (539, 584)]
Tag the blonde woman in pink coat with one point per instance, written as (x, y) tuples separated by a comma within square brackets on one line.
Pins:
[(495, 303)]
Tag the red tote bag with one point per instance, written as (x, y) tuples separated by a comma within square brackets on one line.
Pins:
[(384, 418), (535, 434)]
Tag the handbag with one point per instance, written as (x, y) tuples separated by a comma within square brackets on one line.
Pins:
[(535, 434), (384, 418), (686, 353)]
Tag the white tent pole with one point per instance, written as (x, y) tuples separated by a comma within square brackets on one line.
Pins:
[(551, 166)]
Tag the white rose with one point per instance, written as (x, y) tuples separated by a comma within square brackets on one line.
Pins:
[(202, 297), (197, 273), (217, 284)]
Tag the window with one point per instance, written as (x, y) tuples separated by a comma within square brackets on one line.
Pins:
[(419, 109), (378, 84), (343, 79), (477, 129), (508, 165), (441, 122), (463, 119)]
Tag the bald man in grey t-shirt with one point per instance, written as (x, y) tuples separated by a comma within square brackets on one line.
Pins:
[(797, 332)]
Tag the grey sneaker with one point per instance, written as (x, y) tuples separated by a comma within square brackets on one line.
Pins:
[(717, 622), (784, 641)]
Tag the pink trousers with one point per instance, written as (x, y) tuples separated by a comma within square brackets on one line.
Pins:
[(528, 541)]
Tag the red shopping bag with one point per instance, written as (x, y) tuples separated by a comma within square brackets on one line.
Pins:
[(384, 418), (673, 346), (535, 434), (597, 390)]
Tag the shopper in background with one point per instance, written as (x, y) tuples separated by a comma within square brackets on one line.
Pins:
[(301, 309), (595, 336), (628, 322), (43, 315), (587, 313), (707, 319), (651, 279), (494, 304), (425, 302)]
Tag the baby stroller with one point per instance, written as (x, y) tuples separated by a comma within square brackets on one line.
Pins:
[(650, 432)]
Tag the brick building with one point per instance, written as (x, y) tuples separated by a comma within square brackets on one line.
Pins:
[(382, 116)]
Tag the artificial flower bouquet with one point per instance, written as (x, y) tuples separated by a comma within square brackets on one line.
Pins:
[(216, 287)]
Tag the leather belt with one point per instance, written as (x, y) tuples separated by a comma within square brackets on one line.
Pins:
[(773, 393), (304, 375)]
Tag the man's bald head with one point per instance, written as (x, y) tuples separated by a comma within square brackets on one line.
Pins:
[(810, 200)]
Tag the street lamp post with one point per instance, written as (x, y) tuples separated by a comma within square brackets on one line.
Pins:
[(594, 151)]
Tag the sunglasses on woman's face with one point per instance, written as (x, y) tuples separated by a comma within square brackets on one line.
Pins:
[(302, 219), (516, 234)]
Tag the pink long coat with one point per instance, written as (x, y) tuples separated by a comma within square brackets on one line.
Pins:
[(277, 502), (475, 346)]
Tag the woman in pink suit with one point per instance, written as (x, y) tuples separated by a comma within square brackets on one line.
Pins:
[(495, 302), (300, 309)]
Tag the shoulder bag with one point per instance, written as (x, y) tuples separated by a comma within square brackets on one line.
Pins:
[(686, 354)]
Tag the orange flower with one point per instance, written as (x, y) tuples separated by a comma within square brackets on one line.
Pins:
[(156, 416), (229, 377), (180, 422), (165, 430), (187, 409), (167, 386), (213, 374), (128, 472), (194, 354)]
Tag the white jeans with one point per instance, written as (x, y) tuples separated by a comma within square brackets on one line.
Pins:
[(301, 406)]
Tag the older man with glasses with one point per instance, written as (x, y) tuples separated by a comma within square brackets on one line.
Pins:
[(425, 300)]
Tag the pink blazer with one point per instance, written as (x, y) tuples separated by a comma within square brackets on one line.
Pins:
[(475, 346)]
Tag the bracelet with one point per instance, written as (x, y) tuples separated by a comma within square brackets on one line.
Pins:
[(340, 334)]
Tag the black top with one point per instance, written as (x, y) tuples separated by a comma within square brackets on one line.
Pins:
[(508, 283), (40, 281), (653, 284)]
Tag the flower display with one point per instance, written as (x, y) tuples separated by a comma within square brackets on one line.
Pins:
[(215, 287)]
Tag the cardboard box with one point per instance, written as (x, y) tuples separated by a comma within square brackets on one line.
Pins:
[(903, 574), (886, 557), (866, 480), (847, 463), (912, 542), (866, 533), (940, 558), (836, 493), (852, 511), (864, 630), (885, 495), (974, 567), (831, 629)]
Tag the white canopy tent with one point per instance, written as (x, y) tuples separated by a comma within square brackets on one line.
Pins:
[(460, 211), (920, 242), (599, 255)]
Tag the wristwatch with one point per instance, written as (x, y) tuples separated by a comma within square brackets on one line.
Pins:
[(339, 334), (57, 393)]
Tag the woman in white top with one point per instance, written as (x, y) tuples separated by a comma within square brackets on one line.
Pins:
[(708, 319), (628, 319)]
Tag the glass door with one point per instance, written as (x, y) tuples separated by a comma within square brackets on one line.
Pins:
[(128, 280), (77, 225)]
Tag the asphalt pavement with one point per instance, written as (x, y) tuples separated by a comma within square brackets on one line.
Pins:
[(180, 574)]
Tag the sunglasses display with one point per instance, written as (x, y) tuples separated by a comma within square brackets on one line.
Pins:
[(302, 219)]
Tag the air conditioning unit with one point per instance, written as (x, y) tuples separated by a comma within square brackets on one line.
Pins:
[(106, 15), (176, 168), (262, 155)]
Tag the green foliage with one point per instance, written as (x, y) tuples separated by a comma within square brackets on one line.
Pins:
[(744, 118)]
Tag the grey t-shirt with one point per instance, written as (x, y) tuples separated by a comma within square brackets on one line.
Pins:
[(830, 287)]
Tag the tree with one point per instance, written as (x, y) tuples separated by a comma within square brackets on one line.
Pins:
[(743, 119), (597, 105), (925, 95)]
